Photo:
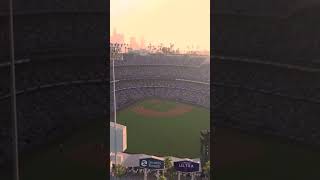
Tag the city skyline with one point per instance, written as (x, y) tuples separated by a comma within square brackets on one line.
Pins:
[(184, 23), (138, 43)]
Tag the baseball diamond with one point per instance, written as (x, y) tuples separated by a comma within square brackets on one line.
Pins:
[(175, 132)]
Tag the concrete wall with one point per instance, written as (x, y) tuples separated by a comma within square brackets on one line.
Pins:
[(121, 136)]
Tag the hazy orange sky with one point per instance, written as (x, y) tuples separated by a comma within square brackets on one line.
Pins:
[(182, 22)]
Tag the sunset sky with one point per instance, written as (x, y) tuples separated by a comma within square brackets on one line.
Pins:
[(182, 22)]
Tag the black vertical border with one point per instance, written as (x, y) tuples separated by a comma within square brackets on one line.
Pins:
[(107, 80), (212, 130)]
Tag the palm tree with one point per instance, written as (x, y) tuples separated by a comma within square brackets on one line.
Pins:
[(165, 50), (206, 169), (171, 48), (177, 51), (168, 162), (169, 169), (119, 170), (162, 177), (149, 47)]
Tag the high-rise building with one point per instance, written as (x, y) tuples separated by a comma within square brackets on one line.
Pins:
[(133, 43), (116, 38)]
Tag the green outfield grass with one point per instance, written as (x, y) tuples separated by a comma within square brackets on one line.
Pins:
[(170, 136)]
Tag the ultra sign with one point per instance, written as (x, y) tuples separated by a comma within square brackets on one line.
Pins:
[(186, 166), (151, 163)]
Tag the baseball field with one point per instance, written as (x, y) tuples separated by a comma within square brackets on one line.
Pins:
[(164, 128)]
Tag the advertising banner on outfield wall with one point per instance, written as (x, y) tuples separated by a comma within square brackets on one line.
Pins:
[(151, 163), (186, 166)]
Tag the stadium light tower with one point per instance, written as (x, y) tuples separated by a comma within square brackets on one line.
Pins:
[(115, 54)]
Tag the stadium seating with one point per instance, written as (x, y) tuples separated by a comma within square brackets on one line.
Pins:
[(179, 78)]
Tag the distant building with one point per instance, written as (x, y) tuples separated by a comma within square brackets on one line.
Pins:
[(117, 38), (133, 43), (142, 43)]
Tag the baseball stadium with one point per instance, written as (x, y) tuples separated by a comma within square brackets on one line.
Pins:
[(163, 101)]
